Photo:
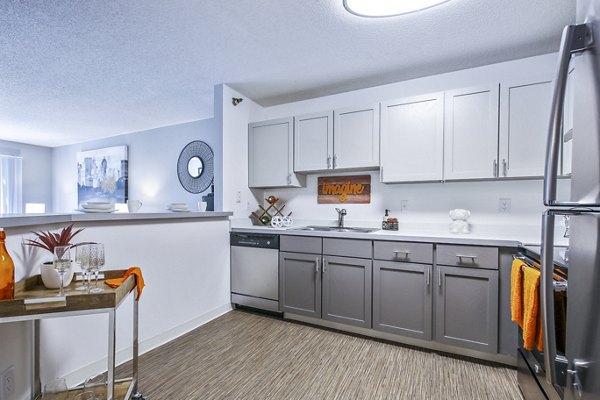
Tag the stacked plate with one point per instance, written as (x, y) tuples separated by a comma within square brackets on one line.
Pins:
[(178, 207), (97, 207)]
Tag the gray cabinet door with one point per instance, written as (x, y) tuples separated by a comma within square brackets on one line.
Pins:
[(467, 308), (300, 284), (402, 298), (347, 290)]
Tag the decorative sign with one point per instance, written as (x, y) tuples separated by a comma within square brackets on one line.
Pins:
[(344, 189)]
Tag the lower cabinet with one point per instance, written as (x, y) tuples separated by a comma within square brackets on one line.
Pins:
[(467, 308), (347, 290), (300, 284), (336, 289), (403, 299)]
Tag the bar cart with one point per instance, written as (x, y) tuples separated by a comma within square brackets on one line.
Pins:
[(33, 302)]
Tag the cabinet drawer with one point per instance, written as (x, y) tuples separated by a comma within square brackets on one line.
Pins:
[(404, 251), (301, 244), (467, 256), (348, 248)]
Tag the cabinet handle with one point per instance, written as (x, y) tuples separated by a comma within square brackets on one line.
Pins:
[(428, 276), (334, 160), (405, 252), (461, 256), (324, 264), (328, 162), (317, 265), (439, 278), (504, 167), (495, 168)]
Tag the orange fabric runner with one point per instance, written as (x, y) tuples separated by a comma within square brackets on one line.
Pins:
[(139, 280)]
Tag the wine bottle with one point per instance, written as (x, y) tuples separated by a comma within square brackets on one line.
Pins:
[(7, 271)]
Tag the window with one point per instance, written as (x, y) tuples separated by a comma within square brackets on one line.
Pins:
[(11, 184)]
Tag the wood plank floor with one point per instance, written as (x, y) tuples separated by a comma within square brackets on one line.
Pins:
[(246, 356)]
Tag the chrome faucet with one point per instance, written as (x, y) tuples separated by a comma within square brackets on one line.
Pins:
[(341, 214)]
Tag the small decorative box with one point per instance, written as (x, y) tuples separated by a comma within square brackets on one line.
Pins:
[(389, 226)]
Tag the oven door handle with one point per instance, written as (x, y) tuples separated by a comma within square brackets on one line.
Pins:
[(547, 296)]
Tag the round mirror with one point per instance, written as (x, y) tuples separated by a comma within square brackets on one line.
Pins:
[(195, 167)]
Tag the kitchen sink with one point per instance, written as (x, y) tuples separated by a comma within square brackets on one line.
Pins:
[(335, 229)]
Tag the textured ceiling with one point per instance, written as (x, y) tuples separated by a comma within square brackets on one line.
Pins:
[(74, 70)]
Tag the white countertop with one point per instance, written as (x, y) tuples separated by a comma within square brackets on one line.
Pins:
[(12, 221), (498, 235)]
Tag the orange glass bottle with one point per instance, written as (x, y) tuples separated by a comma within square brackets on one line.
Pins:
[(7, 271)]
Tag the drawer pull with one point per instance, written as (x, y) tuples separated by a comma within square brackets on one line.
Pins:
[(405, 252), (317, 265), (439, 278), (428, 276), (461, 256)]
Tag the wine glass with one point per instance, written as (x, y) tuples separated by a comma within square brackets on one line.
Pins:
[(62, 262), (97, 262), (82, 257)]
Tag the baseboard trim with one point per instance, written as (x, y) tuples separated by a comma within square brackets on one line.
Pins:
[(80, 375)]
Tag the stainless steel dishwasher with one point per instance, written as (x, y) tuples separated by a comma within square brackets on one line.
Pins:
[(255, 270)]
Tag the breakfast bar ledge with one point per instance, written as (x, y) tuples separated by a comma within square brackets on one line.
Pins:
[(33, 302)]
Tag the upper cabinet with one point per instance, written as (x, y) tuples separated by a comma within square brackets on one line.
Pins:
[(342, 139), (471, 133), (524, 118), (270, 154), (412, 137), (356, 137), (313, 142)]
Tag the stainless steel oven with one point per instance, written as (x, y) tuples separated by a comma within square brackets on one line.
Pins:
[(255, 270), (532, 372)]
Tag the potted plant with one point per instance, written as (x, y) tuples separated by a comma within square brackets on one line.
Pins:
[(48, 241)]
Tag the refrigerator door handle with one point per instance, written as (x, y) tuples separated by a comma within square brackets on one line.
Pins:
[(547, 296), (575, 38)]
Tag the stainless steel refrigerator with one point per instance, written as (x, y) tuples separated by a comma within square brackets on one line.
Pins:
[(573, 149)]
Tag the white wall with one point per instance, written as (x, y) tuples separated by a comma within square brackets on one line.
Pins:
[(426, 201), (37, 171), (235, 150), (153, 158), (186, 267)]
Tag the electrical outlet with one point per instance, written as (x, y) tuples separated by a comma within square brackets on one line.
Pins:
[(504, 206), (403, 205), (238, 197), (7, 383)]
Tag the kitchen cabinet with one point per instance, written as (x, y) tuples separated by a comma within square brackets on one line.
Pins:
[(270, 154), (330, 287), (347, 290), (403, 298), (471, 133), (524, 119), (412, 137), (313, 142), (356, 137), (345, 138), (466, 301), (300, 283)]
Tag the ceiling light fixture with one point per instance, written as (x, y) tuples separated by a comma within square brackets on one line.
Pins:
[(388, 8)]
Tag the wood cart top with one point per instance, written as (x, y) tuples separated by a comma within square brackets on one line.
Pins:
[(32, 298)]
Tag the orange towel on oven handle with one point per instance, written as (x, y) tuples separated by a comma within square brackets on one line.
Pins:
[(532, 327), (139, 280), (516, 291)]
